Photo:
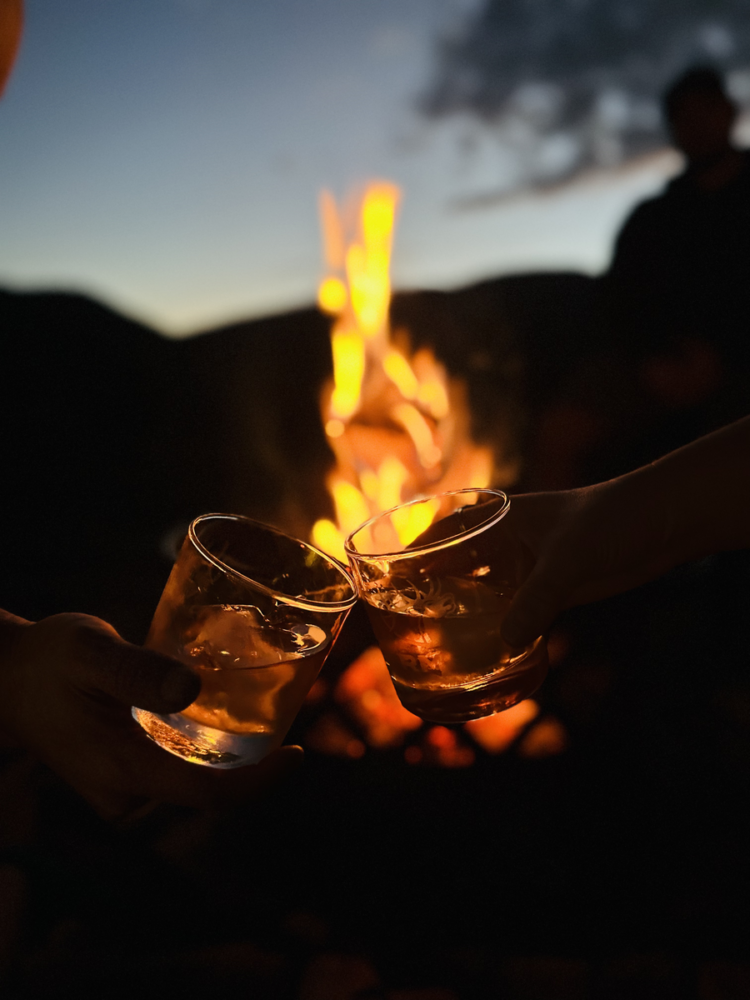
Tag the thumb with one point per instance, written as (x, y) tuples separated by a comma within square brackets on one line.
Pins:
[(535, 605), (107, 664)]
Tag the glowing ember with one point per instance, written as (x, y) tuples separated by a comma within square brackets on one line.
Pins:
[(366, 689), (443, 747), (496, 733), (548, 738)]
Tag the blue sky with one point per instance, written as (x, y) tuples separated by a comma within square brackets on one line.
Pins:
[(166, 156)]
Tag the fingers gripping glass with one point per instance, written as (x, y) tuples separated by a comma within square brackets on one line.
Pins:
[(437, 603), (254, 612)]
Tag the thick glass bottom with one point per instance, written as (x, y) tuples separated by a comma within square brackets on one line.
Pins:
[(453, 703), (202, 744)]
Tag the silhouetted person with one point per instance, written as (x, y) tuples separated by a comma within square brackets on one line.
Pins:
[(678, 290)]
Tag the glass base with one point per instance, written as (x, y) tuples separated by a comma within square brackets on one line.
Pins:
[(449, 704), (201, 744)]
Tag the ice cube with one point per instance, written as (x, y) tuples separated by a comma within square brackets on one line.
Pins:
[(237, 636), (438, 597), (231, 636), (471, 597), (250, 614), (425, 599)]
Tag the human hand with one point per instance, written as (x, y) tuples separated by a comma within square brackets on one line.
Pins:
[(587, 544), (67, 684), (603, 539)]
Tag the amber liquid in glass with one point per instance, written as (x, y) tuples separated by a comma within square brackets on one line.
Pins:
[(254, 677), (445, 653)]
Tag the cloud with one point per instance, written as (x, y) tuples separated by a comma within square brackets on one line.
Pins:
[(571, 84)]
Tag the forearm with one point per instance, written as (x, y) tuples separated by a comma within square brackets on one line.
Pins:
[(601, 540), (702, 492)]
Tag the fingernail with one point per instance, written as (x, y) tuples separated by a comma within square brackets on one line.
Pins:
[(180, 687)]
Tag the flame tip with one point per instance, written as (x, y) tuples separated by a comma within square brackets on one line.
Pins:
[(387, 466)]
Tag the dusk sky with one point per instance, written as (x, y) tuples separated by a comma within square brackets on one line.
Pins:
[(166, 156)]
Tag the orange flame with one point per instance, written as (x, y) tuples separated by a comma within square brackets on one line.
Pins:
[(388, 418)]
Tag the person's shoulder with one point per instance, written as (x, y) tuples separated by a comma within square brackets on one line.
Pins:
[(644, 228), (646, 214), (651, 206), (673, 191)]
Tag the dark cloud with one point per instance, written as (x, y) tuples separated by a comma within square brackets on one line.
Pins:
[(570, 84)]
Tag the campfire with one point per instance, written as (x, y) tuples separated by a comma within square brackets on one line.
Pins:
[(399, 427)]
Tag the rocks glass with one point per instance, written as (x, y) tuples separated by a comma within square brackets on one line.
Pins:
[(254, 612), (438, 576)]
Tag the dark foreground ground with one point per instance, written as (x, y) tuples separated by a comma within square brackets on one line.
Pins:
[(617, 868)]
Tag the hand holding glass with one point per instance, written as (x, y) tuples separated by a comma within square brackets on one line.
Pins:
[(255, 613), (437, 603)]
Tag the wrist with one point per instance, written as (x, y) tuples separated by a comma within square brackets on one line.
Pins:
[(640, 523)]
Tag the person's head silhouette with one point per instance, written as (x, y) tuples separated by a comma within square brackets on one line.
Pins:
[(700, 115)]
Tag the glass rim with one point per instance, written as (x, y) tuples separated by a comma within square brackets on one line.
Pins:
[(294, 601), (442, 543)]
